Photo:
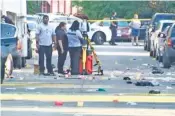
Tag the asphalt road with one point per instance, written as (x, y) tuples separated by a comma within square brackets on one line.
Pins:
[(28, 94)]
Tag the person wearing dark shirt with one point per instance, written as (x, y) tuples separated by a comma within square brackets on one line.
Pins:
[(62, 46), (113, 28), (7, 20)]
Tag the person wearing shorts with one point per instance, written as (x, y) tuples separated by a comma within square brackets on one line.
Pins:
[(135, 26)]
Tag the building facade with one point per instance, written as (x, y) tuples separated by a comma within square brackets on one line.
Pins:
[(58, 6)]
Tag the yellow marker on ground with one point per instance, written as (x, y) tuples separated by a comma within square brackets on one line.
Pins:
[(80, 103), (138, 75)]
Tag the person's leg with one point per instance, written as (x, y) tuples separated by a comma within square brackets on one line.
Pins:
[(114, 36), (41, 59), (71, 53), (61, 61), (76, 60), (48, 52), (137, 37)]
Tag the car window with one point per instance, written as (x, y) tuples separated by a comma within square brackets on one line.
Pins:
[(165, 25), (158, 26), (163, 17), (123, 24), (173, 32), (7, 30), (106, 23), (31, 26), (32, 18)]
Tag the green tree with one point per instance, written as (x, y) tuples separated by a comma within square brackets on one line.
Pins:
[(33, 7), (124, 9)]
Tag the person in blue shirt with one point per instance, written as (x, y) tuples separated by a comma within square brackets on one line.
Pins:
[(113, 28), (75, 47)]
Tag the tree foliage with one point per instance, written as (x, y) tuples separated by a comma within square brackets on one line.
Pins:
[(124, 9), (33, 7)]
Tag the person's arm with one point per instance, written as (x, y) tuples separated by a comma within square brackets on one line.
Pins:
[(37, 37), (60, 37), (54, 39)]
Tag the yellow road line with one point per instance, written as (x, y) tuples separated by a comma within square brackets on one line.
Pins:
[(118, 20), (90, 98), (96, 111)]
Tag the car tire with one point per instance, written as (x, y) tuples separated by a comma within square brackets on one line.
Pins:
[(2, 70), (145, 46), (99, 38), (166, 61), (149, 45)]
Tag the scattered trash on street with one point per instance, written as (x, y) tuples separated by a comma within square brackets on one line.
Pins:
[(144, 83), (155, 83), (131, 103), (30, 88), (126, 78), (10, 88), (80, 103), (169, 87), (129, 82), (58, 103), (101, 90), (154, 92), (156, 70)]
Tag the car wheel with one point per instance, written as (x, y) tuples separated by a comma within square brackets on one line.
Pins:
[(148, 45), (99, 38), (145, 45), (2, 69), (166, 61)]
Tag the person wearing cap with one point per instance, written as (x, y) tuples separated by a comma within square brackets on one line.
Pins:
[(45, 37), (135, 26), (113, 28)]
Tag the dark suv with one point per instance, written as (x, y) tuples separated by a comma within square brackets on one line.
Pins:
[(155, 19)]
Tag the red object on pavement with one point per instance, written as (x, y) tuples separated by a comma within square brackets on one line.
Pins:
[(115, 101), (58, 103), (89, 65)]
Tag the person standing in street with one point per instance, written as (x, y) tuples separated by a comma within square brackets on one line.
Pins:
[(75, 47), (62, 46), (135, 26), (113, 28), (85, 26), (45, 36)]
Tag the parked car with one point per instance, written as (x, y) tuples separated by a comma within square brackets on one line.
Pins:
[(154, 21), (154, 37), (168, 50), (9, 48), (161, 41), (100, 32)]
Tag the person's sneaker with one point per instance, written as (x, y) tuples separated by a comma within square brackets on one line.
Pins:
[(50, 74), (114, 44), (41, 73), (62, 72)]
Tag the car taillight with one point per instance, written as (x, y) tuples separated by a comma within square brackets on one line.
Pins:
[(19, 45), (169, 42)]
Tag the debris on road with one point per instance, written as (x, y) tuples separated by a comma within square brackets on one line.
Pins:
[(145, 64), (58, 103), (131, 103), (169, 87), (80, 103), (154, 92), (156, 70), (10, 88), (126, 78), (30, 88), (155, 83), (115, 101), (129, 82), (144, 83), (101, 90)]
